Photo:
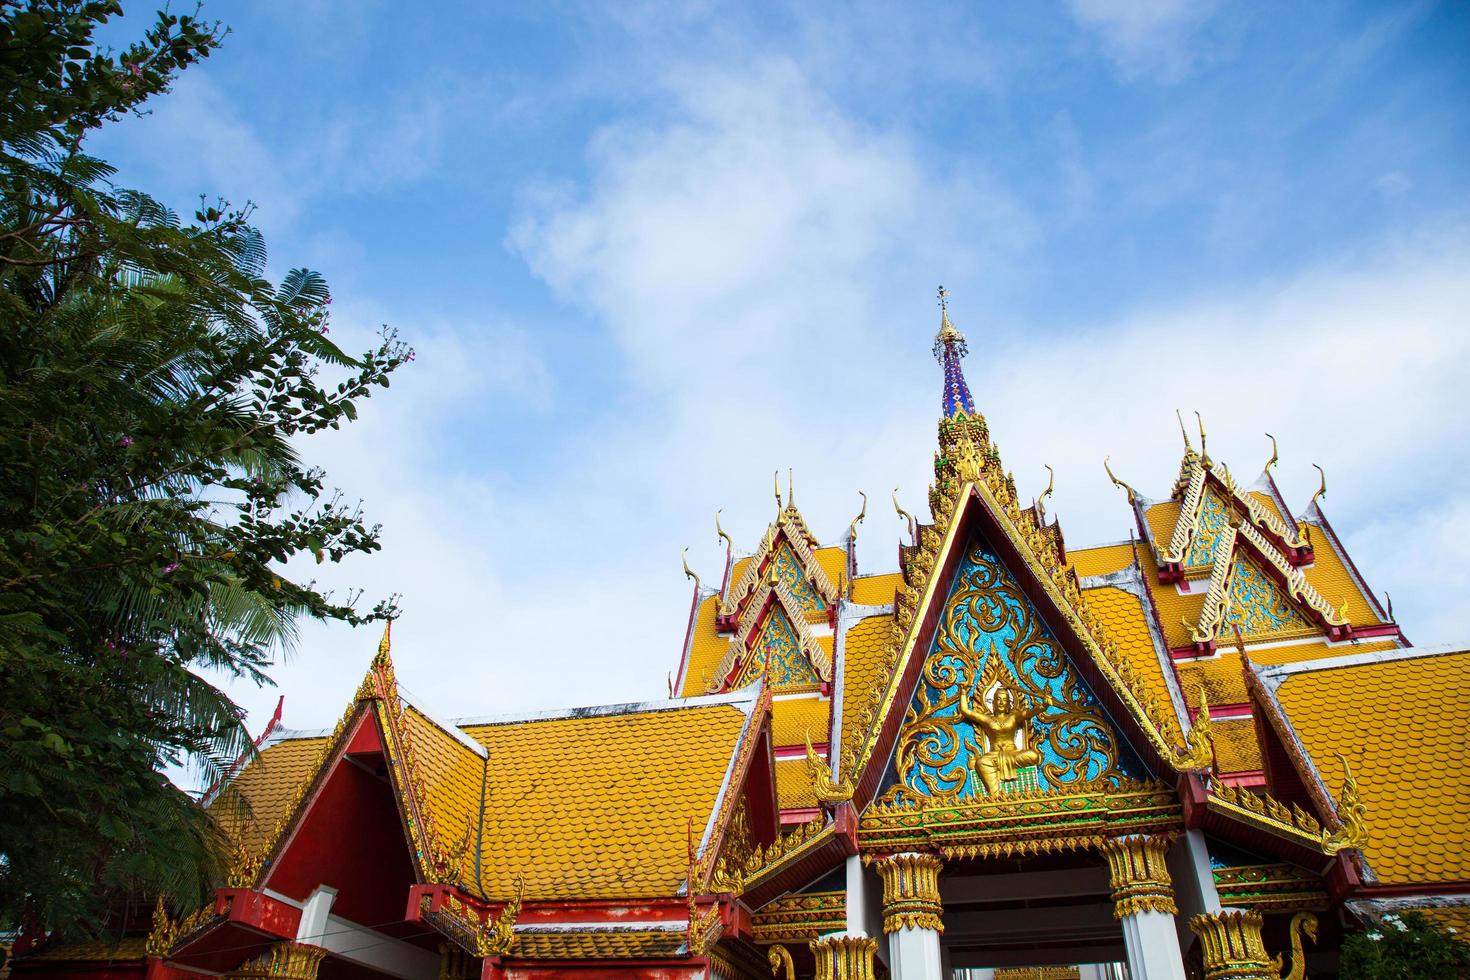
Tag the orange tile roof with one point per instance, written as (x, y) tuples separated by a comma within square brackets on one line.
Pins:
[(876, 590), (833, 562), (1219, 676), (1236, 747), (597, 806), (1102, 560), (1172, 606), (1329, 575), (96, 950), (1406, 746), (792, 718), (452, 773), (1297, 652), (1125, 622), (268, 785), (794, 787), (863, 659), (1161, 518), (706, 649)]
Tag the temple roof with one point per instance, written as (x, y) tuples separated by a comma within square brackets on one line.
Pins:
[(1406, 746), (599, 806)]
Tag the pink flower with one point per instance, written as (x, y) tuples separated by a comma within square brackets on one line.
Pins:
[(171, 569), (126, 441)]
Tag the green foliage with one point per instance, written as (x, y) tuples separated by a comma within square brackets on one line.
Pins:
[(156, 393), (1408, 947)]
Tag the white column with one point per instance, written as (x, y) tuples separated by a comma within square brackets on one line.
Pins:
[(912, 915), (314, 915), (1143, 901)]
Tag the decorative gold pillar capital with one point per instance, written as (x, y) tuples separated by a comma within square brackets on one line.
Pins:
[(283, 961), (911, 892), (1232, 946), (1139, 875), (843, 957)]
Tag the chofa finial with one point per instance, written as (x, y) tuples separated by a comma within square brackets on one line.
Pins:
[(1272, 461), (729, 545), (688, 572), (1132, 495), (776, 479), (1321, 490), (1051, 482), (862, 515)]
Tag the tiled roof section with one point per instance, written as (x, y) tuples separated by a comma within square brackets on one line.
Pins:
[(794, 787), (1297, 652), (1220, 677), (1102, 560), (862, 661), (1453, 917), (1236, 746), (791, 719), (599, 944), (705, 649), (1124, 618), (598, 806), (1172, 606), (876, 590), (93, 950), (1161, 518), (833, 562), (1406, 746), (268, 785), (1330, 576), (452, 774)]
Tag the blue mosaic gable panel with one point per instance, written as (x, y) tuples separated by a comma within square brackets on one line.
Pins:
[(960, 740)]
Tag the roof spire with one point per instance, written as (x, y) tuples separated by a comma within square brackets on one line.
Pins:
[(949, 349)]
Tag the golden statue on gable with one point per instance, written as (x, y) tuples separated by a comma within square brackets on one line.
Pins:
[(1007, 731)]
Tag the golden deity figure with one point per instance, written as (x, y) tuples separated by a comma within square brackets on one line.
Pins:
[(1000, 724)]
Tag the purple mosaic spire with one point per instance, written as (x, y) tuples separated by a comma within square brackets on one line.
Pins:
[(949, 350)]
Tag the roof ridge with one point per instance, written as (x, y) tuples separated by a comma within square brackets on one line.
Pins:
[(741, 698), (1276, 674)]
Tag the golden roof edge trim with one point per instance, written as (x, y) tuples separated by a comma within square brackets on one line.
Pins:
[(788, 524), (741, 759)]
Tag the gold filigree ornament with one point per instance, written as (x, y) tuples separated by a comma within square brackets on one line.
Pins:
[(826, 788), (284, 961), (911, 892), (1199, 748), (1351, 811), (844, 957), (781, 965), (161, 937), (489, 937), (1139, 875), (1231, 946)]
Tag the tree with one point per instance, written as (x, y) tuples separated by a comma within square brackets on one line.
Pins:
[(156, 392), (1407, 947)]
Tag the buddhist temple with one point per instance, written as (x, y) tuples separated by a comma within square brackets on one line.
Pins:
[(1208, 751)]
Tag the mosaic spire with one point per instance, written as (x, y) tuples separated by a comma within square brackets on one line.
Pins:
[(949, 350)]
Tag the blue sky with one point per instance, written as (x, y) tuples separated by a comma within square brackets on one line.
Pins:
[(650, 253)]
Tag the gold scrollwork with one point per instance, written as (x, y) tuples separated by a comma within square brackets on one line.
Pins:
[(826, 788), (911, 892), (1230, 942), (843, 957)]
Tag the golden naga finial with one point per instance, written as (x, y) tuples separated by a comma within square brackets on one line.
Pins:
[(827, 789), (1303, 923), (1188, 446), (776, 479), (1132, 494), (494, 938), (781, 964), (1272, 461), (1321, 490), (729, 545), (1051, 482), (1199, 750), (862, 514), (688, 572), (913, 530), (1204, 455), (1351, 812)]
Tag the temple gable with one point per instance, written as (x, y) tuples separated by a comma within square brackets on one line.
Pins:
[(999, 707)]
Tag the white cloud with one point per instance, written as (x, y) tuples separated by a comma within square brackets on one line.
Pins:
[(1146, 37), (764, 264)]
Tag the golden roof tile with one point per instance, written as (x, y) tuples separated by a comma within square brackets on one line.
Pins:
[(598, 944), (1123, 617), (706, 649), (1406, 751), (1236, 747), (876, 590), (794, 786), (793, 718), (95, 950), (862, 668), (598, 806), (1329, 574), (1102, 560), (268, 786)]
